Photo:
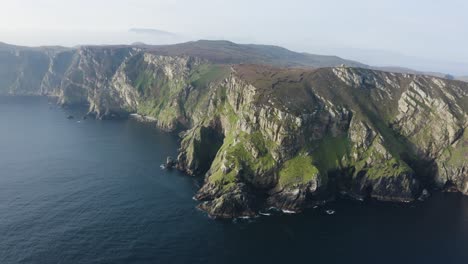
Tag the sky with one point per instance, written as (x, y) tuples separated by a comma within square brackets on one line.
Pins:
[(431, 35)]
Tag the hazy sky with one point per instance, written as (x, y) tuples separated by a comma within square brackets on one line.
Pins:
[(372, 30)]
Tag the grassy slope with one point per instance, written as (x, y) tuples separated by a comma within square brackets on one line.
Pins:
[(226, 52), (458, 154), (297, 170)]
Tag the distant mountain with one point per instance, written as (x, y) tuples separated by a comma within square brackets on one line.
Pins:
[(384, 58), (154, 32), (221, 51), (396, 69), (9, 47)]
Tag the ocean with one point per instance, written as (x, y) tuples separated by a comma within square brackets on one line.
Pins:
[(92, 191)]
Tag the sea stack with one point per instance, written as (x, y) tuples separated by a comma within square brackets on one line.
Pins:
[(170, 162)]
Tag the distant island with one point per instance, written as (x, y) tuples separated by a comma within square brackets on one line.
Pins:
[(267, 127), (154, 32)]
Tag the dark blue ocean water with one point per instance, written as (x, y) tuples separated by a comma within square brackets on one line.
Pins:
[(93, 192)]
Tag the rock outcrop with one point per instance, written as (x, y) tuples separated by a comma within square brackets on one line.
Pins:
[(267, 137)]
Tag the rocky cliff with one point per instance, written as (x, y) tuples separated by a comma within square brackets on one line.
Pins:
[(267, 137)]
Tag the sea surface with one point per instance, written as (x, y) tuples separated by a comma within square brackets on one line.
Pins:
[(91, 191)]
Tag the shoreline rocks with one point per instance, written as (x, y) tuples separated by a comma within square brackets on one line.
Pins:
[(170, 163)]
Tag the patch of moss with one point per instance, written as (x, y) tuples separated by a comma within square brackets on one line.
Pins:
[(208, 73), (459, 154), (223, 179), (159, 96), (240, 160), (168, 115), (298, 170), (148, 108), (390, 168), (256, 142), (382, 167), (229, 112), (329, 152), (144, 82)]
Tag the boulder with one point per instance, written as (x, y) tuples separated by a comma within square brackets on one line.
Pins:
[(170, 162)]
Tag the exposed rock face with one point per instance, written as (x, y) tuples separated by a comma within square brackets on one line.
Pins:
[(377, 173), (267, 137), (453, 164)]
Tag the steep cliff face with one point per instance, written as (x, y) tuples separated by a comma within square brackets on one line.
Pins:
[(291, 137), (268, 137), (22, 69)]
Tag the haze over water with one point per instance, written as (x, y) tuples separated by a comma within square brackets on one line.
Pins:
[(90, 191)]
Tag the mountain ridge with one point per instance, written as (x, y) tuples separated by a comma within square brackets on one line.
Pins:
[(222, 51), (215, 50)]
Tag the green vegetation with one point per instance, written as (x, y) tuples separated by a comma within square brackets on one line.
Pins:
[(205, 74), (298, 170), (144, 82), (238, 151), (329, 152), (229, 112), (381, 167), (390, 168), (254, 142), (224, 179), (459, 154), (464, 102), (162, 98), (393, 142)]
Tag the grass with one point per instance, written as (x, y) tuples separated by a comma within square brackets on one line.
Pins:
[(161, 97), (390, 168), (263, 162), (459, 154), (208, 73), (240, 159), (329, 152), (231, 115), (223, 179), (144, 82), (382, 167), (298, 170)]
